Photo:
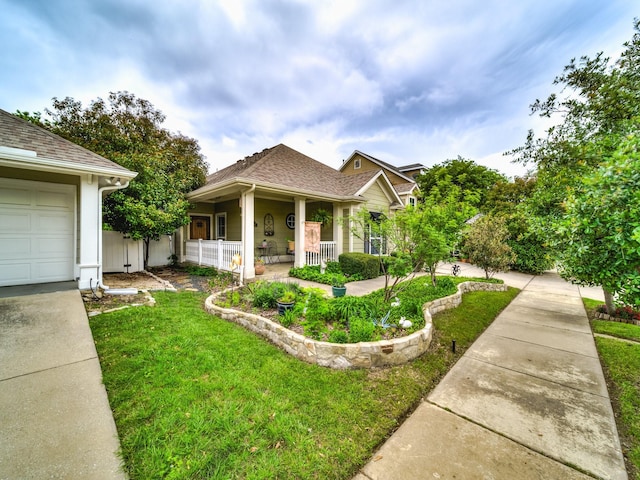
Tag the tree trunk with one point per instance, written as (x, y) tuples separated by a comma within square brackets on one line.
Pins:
[(608, 300), (146, 252)]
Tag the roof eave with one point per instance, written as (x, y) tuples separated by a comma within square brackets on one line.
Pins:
[(60, 166)]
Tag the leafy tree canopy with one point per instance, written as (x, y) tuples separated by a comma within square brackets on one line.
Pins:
[(128, 130), (473, 180), (598, 237), (598, 110)]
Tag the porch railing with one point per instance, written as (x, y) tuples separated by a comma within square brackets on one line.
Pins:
[(218, 253), (327, 252), (212, 253)]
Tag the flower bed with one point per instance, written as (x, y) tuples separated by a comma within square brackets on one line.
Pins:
[(394, 351)]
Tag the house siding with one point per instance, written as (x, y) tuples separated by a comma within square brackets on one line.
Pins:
[(367, 165)]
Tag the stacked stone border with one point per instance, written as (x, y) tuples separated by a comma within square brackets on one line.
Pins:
[(341, 356)]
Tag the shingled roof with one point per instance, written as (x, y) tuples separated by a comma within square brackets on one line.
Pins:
[(282, 166), (17, 133)]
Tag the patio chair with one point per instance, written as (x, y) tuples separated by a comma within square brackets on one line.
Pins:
[(273, 251)]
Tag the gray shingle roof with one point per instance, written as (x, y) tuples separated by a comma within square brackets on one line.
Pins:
[(285, 167), (18, 133)]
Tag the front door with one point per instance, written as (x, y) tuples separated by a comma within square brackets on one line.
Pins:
[(200, 228)]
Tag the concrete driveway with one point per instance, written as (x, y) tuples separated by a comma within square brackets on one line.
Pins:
[(55, 420)]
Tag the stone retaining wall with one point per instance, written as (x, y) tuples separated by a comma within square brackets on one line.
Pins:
[(351, 355)]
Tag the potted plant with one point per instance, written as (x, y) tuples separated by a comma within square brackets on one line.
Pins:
[(322, 216), (338, 287), (259, 266), (286, 302)]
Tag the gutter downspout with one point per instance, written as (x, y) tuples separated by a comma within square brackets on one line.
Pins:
[(101, 191)]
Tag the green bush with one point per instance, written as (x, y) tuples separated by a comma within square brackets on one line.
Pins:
[(345, 308), (362, 264), (338, 336), (361, 330), (312, 273), (532, 256), (266, 294), (288, 318), (333, 267)]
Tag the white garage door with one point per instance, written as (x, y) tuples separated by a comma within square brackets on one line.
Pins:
[(36, 232)]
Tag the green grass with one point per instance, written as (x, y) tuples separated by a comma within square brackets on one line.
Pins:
[(617, 329), (195, 396), (621, 362)]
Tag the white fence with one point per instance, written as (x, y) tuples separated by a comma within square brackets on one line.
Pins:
[(213, 253), (327, 252)]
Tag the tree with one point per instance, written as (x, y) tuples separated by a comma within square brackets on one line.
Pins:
[(508, 200), (420, 237), (599, 109), (473, 181), (128, 130), (486, 245), (599, 236)]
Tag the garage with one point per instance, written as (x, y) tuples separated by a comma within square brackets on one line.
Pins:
[(37, 232)]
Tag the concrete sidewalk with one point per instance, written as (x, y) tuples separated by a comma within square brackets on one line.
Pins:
[(528, 400), (55, 420)]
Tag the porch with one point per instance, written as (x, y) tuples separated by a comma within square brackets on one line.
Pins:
[(219, 253)]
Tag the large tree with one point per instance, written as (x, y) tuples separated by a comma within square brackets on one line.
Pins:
[(473, 181), (128, 130), (597, 109), (599, 235)]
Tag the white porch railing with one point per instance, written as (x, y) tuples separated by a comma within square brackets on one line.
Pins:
[(213, 253), (218, 253), (327, 252)]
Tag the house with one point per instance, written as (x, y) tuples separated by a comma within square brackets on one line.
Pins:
[(51, 193), (260, 206), (403, 178)]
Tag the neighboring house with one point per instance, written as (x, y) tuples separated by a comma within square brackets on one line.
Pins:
[(267, 197), (51, 193), (403, 178)]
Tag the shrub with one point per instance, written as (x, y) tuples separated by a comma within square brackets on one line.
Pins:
[(266, 294), (312, 273), (361, 330), (333, 267), (345, 308), (288, 318), (338, 336), (364, 264)]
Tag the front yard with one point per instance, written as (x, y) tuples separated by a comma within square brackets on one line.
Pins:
[(618, 345), (194, 396)]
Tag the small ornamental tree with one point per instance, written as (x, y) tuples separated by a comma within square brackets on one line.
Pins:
[(486, 245)]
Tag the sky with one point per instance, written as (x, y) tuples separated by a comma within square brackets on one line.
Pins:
[(418, 81)]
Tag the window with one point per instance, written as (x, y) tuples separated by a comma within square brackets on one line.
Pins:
[(356, 164), (374, 242), (291, 221), (412, 201), (221, 226)]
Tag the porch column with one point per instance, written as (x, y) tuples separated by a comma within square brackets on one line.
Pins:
[(247, 206), (89, 272), (337, 228), (300, 212)]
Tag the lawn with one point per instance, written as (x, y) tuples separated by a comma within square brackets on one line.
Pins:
[(195, 396), (621, 363)]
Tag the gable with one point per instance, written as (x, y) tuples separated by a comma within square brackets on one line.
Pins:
[(360, 163)]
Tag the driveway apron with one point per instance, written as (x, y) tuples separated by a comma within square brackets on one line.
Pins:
[(55, 419), (528, 400)]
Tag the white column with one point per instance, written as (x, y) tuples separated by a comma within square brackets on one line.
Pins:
[(300, 212), (90, 233), (247, 204), (337, 228)]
